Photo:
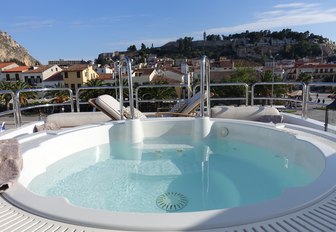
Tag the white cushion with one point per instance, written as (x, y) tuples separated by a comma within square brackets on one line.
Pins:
[(137, 113), (110, 105), (253, 113)]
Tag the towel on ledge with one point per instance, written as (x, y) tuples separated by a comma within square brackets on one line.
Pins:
[(10, 163), (46, 126)]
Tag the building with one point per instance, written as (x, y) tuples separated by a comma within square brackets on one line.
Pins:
[(318, 72), (36, 75), (55, 80), (6, 66), (143, 75), (77, 75), (64, 63), (14, 74)]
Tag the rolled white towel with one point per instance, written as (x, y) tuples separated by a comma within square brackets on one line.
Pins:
[(10, 163)]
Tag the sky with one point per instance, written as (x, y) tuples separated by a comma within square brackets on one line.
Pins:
[(77, 29)]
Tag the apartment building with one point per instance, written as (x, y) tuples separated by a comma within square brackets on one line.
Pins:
[(6, 66), (76, 75), (36, 75), (319, 72), (14, 74)]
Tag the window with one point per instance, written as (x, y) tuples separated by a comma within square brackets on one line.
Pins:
[(79, 85), (7, 77), (26, 79), (73, 88), (38, 79), (65, 74), (78, 74), (17, 78)]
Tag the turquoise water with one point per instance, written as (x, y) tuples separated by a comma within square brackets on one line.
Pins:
[(215, 174)]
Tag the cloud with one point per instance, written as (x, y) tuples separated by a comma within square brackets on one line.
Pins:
[(283, 16), (33, 24)]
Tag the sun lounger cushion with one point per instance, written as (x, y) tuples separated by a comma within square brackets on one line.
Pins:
[(252, 113), (110, 105)]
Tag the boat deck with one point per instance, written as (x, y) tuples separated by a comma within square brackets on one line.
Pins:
[(319, 217)]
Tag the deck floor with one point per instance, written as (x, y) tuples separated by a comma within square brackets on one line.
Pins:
[(319, 217)]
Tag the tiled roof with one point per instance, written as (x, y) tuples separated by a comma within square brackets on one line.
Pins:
[(144, 71), (3, 65), (16, 69), (105, 76), (40, 69), (172, 69), (76, 68), (318, 66), (56, 77)]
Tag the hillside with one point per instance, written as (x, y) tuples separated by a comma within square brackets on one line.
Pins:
[(10, 50)]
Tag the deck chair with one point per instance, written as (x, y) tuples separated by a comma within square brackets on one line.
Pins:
[(111, 107), (185, 108)]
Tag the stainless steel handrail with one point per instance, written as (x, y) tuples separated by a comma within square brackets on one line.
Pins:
[(273, 83), (18, 105), (205, 82), (121, 91), (130, 85), (138, 100), (228, 98), (305, 114), (89, 88), (13, 110)]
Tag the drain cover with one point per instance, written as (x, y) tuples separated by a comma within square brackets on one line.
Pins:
[(171, 201)]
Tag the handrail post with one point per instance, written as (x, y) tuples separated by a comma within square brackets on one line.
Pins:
[(252, 94), (203, 60), (121, 91), (17, 109), (130, 85), (305, 96), (208, 90)]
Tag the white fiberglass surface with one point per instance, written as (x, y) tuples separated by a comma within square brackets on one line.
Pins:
[(184, 169), (212, 174)]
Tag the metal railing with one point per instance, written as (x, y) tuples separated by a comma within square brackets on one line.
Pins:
[(253, 97), (8, 111), (91, 88), (139, 99), (18, 107), (237, 84), (205, 85)]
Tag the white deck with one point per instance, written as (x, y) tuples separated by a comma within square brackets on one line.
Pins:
[(318, 217)]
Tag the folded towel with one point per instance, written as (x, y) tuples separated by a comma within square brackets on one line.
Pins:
[(46, 126), (10, 163)]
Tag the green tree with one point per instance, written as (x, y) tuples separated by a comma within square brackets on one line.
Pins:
[(88, 94), (6, 98), (15, 87), (132, 48)]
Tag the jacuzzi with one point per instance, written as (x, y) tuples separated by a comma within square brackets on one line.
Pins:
[(312, 150)]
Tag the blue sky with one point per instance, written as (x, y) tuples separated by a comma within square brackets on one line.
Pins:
[(74, 29)]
